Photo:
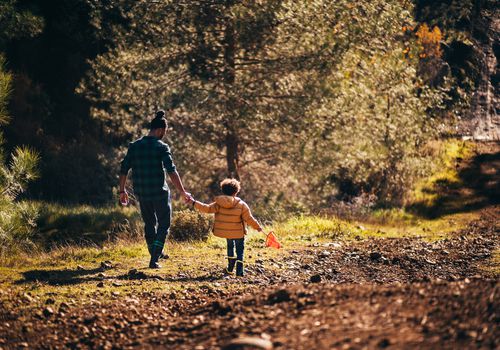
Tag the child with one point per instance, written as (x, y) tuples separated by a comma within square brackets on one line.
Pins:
[(231, 214)]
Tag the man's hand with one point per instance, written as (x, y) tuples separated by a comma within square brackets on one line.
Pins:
[(188, 198), (124, 198)]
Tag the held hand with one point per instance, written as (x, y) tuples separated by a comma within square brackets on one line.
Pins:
[(124, 198), (188, 198)]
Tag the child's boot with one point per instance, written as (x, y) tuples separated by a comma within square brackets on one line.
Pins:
[(239, 268), (231, 261)]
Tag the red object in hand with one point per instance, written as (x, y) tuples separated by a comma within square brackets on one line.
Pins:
[(272, 241)]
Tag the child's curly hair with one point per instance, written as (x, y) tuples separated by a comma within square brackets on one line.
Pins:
[(230, 187)]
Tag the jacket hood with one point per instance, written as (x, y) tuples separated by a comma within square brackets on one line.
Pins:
[(227, 201)]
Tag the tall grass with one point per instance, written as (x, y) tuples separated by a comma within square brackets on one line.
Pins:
[(85, 225), (447, 155)]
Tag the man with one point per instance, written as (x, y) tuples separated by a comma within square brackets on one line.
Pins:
[(149, 157)]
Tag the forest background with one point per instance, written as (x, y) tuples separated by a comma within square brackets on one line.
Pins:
[(316, 105)]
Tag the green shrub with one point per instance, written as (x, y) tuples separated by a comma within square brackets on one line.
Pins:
[(85, 224), (188, 225), (271, 209)]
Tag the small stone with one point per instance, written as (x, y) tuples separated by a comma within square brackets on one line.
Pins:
[(117, 284), (48, 311), (315, 278), (222, 309), (90, 319), (50, 301), (106, 265), (324, 254), (472, 334), (384, 343), (26, 329), (248, 343), (28, 298), (279, 296), (100, 284), (64, 307)]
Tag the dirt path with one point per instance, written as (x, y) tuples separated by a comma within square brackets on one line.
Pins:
[(382, 293), (404, 293)]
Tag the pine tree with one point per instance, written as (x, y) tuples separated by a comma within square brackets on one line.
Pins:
[(17, 219)]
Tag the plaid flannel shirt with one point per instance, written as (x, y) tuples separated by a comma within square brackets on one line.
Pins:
[(148, 158)]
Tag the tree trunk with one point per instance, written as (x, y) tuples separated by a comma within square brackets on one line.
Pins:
[(232, 155), (232, 139)]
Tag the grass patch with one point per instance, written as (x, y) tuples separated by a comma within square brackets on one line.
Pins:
[(84, 225), (493, 265), (445, 175), (71, 274)]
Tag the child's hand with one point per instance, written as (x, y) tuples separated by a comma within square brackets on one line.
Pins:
[(189, 199), (124, 198)]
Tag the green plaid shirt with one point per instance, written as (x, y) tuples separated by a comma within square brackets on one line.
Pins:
[(148, 158)]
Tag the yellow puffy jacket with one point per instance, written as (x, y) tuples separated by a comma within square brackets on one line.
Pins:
[(231, 214)]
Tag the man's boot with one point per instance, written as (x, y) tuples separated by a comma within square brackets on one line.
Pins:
[(239, 268), (231, 261), (162, 254), (155, 255)]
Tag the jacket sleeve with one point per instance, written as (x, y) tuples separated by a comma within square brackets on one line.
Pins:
[(211, 208), (249, 219)]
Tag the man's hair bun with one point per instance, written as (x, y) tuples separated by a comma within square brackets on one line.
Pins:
[(159, 121), (160, 114)]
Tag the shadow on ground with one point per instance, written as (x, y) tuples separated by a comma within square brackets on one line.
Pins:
[(72, 277), (478, 186), (60, 277)]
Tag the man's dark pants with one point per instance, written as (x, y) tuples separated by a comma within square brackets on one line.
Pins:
[(157, 215)]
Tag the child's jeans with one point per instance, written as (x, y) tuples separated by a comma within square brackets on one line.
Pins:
[(240, 247)]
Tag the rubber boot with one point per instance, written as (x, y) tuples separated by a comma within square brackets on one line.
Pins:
[(155, 255), (231, 261), (239, 268), (162, 254)]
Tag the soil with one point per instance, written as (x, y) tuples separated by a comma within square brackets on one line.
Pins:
[(382, 293), (401, 293)]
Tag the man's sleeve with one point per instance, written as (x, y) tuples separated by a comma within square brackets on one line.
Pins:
[(167, 160), (126, 162)]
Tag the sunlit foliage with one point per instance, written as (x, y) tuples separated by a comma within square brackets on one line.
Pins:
[(288, 93)]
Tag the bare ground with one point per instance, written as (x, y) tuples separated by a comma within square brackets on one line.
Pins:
[(384, 293), (401, 293)]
